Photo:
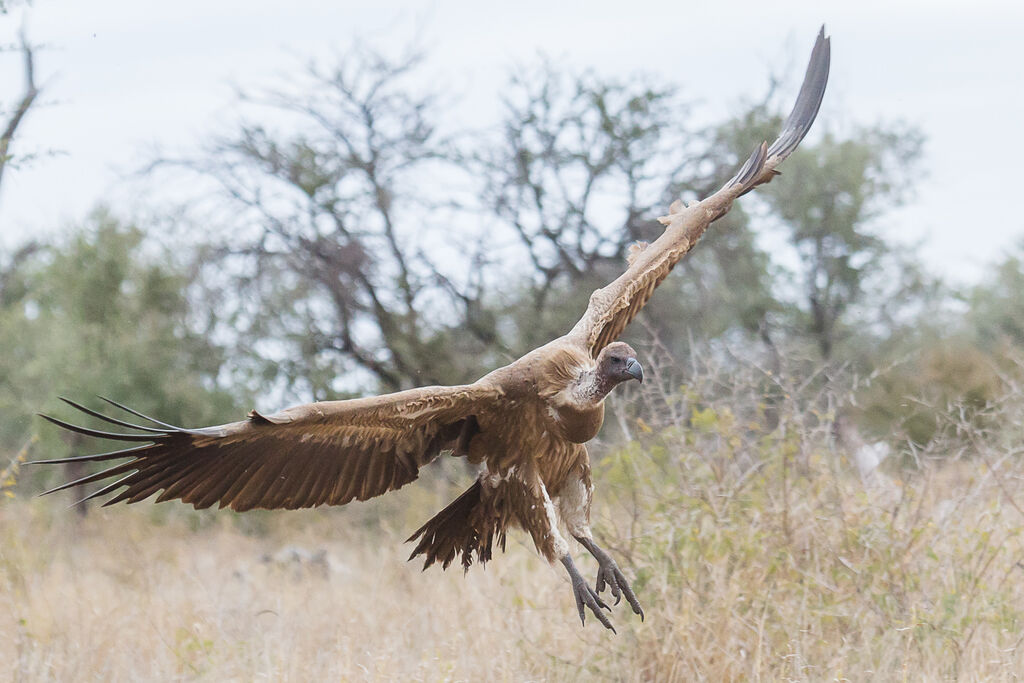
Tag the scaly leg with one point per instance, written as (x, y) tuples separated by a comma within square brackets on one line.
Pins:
[(521, 493), (609, 573), (585, 595), (574, 503)]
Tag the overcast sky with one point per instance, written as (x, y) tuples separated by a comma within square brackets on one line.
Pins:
[(122, 76)]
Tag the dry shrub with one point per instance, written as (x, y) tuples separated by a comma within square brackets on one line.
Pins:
[(758, 551)]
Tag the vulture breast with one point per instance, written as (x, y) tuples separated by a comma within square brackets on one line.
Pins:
[(576, 423)]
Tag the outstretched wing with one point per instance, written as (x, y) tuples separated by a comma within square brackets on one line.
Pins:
[(325, 453), (613, 307)]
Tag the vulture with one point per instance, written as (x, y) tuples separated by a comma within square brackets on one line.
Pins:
[(525, 424)]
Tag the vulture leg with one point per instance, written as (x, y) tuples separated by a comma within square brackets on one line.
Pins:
[(523, 493), (585, 595), (574, 505), (609, 572)]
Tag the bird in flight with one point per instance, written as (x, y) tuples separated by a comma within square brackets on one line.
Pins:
[(526, 423)]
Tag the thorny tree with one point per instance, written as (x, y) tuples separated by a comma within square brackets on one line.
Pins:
[(334, 243)]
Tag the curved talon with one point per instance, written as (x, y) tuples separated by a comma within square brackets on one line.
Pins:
[(618, 582), (609, 574), (586, 596), (606, 575)]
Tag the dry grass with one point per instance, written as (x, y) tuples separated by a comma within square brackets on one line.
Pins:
[(759, 555)]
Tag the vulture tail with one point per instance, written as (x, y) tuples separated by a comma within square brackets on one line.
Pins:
[(463, 528)]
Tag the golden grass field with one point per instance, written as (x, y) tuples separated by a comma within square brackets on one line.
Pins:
[(758, 555)]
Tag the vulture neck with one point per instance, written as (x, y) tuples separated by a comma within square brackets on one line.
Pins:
[(591, 387)]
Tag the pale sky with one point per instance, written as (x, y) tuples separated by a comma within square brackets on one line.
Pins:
[(124, 76)]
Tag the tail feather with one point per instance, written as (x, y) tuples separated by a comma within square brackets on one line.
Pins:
[(463, 527)]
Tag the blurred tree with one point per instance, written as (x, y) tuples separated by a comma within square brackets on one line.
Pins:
[(996, 308), (942, 383), (356, 246), (947, 365), (576, 176), (351, 272), (12, 117), (14, 114), (583, 168), (98, 314), (833, 194), (364, 263)]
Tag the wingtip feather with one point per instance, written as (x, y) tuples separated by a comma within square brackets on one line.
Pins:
[(138, 414), (808, 101), (99, 434), (108, 419)]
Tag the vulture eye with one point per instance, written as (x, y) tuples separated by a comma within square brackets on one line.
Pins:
[(616, 359)]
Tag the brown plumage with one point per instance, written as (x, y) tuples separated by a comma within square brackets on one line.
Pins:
[(525, 423)]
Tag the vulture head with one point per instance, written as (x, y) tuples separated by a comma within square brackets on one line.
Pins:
[(617, 363)]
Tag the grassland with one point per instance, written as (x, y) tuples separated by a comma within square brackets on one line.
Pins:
[(759, 552)]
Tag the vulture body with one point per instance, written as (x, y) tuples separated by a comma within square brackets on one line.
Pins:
[(526, 423)]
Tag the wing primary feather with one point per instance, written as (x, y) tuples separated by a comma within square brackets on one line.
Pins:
[(751, 168), (111, 420), (103, 491), (218, 486), (98, 457), (148, 480), (143, 472), (98, 476), (102, 435), (144, 489), (138, 414), (183, 480), (131, 493), (808, 101)]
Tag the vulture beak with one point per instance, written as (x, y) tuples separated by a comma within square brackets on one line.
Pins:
[(635, 370)]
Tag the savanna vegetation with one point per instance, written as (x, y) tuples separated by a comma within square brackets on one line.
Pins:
[(819, 483)]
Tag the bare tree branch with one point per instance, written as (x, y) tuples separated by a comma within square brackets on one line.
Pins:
[(29, 94)]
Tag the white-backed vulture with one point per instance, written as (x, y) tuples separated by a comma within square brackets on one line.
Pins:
[(525, 423)]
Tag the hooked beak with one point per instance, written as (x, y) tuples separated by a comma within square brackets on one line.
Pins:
[(635, 370)]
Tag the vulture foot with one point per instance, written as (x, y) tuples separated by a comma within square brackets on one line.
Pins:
[(608, 573), (585, 596)]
